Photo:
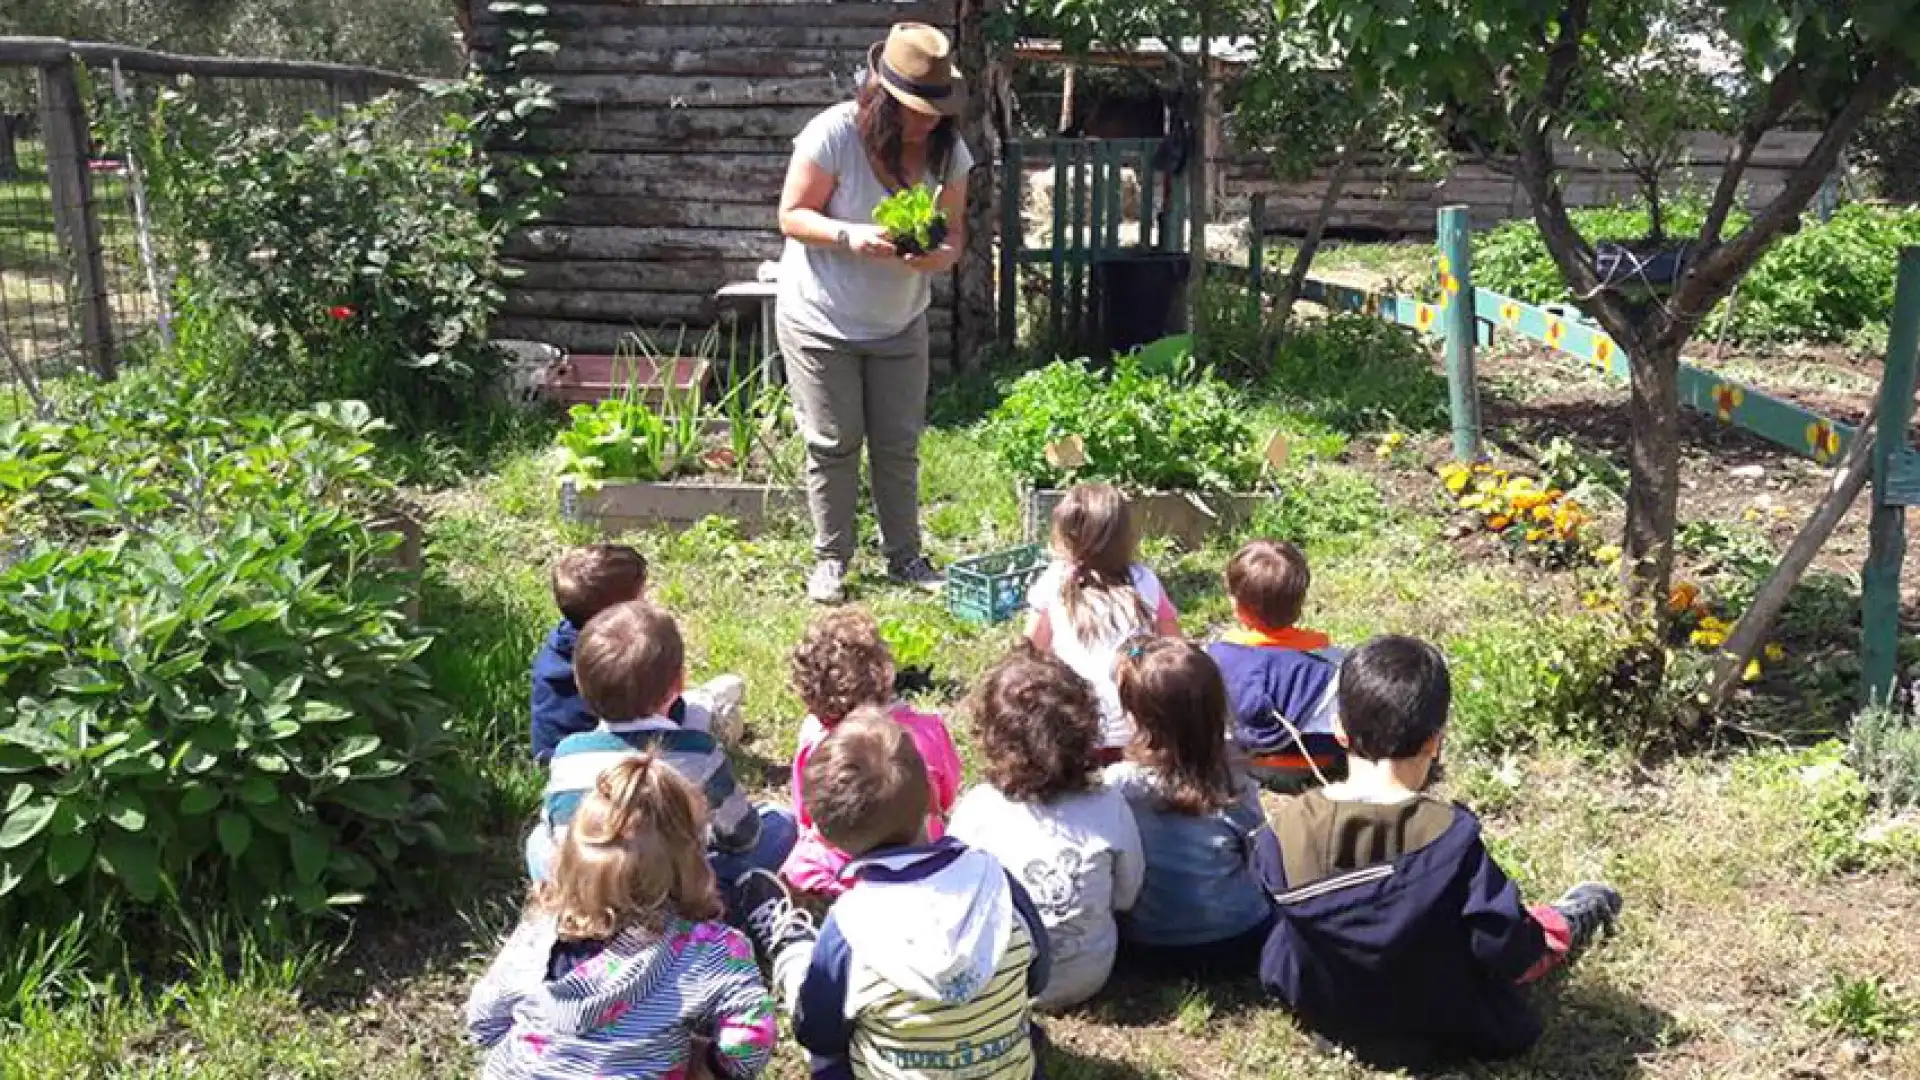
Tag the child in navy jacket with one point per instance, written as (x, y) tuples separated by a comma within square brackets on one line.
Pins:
[(1280, 676), (926, 969), (1398, 933), (586, 581)]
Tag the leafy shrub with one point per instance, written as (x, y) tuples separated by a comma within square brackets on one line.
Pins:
[(1867, 1008), (1541, 676), (1357, 373), (1827, 282), (1322, 509), (210, 681), (354, 256), (1884, 746), (1145, 424), (1822, 799)]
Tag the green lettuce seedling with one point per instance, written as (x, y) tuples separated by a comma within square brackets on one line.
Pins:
[(913, 219)]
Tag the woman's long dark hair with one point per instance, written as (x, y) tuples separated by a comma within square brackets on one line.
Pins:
[(881, 135)]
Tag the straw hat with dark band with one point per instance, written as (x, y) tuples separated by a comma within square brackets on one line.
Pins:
[(915, 65)]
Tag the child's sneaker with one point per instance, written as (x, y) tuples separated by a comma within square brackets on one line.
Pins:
[(1589, 908), (771, 918), (721, 699)]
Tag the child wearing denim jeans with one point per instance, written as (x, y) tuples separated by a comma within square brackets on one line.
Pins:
[(1398, 934), (843, 667), (587, 581), (631, 665), (1280, 676), (619, 966)]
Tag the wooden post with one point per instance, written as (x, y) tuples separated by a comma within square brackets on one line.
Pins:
[(1456, 286), (1012, 241), (1887, 534), (1056, 297), (1257, 254), (63, 120)]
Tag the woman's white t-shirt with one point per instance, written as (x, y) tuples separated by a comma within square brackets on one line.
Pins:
[(1080, 860), (1093, 659), (830, 290)]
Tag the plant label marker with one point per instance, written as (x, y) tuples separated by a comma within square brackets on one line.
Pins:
[(1067, 454), (1276, 451)]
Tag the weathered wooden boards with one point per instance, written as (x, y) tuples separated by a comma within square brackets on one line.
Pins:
[(1382, 198), (676, 122)]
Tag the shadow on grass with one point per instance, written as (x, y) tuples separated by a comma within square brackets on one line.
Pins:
[(1596, 1031), (1066, 1064), (1140, 999)]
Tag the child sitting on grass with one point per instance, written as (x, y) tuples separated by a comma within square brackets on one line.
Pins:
[(587, 581), (1280, 677), (926, 968), (1398, 933), (1045, 814), (618, 966), (1096, 595), (631, 665), (1202, 909), (842, 666)]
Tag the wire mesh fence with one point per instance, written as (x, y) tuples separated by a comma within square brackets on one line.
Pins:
[(84, 284)]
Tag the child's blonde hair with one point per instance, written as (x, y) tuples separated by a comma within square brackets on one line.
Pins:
[(1093, 531), (842, 664), (635, 854)]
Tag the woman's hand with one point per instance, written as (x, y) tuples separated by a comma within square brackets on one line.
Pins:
[(869, 241), (937, 261)]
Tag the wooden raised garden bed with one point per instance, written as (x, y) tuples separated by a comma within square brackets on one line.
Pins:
[(579, 379), (618, 506), (1185, 517)]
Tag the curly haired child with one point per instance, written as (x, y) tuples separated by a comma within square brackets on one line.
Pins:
[(1095, 596), (620, 966), (1202, 908), (1046, 815), (843, 666)]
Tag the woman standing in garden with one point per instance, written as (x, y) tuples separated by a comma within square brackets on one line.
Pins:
[(852, 314)]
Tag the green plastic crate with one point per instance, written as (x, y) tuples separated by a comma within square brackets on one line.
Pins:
[(993, 588)]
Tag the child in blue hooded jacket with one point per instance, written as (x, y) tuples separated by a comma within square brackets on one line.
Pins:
[(1398, 934)]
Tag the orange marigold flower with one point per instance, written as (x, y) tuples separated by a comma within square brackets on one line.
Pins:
[(1499, 522), (1682, 597)]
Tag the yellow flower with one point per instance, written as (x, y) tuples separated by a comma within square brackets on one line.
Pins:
[(1774, 652), (1534, 536), (1456, 481), (1752, 674), (1473, 502), (1543, 513), (1486, 486), (1708, 639), (1527, 500), (1607, 553), (1521, 483), (1715, 624)]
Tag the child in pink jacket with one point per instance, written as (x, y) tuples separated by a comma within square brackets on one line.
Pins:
[(842, 666)]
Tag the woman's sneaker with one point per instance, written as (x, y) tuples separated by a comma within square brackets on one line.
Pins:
[(828, 582), (1589, 908), (917, 572)]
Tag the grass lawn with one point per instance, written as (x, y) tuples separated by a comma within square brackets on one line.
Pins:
[(1745, 950)]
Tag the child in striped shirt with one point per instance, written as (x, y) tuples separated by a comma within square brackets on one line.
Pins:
[(619, 967), (631, 664)]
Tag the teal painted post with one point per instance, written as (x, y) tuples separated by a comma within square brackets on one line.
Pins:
[(1149, 187), (1097, 229), (1887, 535), (1456, 292), (1012, 240), (1056, 316), (1077, 265)]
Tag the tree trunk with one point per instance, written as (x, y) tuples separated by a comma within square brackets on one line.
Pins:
[(1653, 469), (975, 303), (1066, 102), (1316, 229)]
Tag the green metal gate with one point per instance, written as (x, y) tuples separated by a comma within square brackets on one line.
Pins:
[(1087, 216)]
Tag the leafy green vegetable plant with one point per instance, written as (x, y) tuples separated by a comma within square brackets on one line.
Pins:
[(210, 685), (913, 219), (1144, 425)]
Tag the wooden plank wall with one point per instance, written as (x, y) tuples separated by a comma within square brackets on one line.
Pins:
[(676, 121), (1380, 198)]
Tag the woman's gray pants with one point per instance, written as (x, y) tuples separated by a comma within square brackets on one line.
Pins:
[(847, 391)]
